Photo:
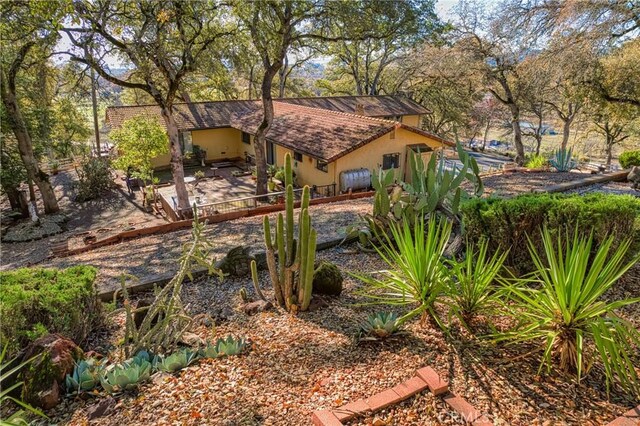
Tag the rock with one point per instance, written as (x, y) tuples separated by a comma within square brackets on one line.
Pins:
[(45, 375), (634, 177), (100, 409), (221, 314), (317, 303), (193, 340), (327, 279), (237, 262), (257, 306)]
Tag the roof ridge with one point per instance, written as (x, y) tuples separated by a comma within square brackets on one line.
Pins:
[(185, 103), (348, 114), (336, 96)]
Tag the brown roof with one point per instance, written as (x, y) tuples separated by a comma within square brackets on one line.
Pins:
[(319, 133), (372, 106)]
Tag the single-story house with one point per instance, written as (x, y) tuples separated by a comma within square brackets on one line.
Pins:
[(325, 136)]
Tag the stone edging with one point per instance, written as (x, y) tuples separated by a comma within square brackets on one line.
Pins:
[(630, 418), (162, 279), (425, 378)]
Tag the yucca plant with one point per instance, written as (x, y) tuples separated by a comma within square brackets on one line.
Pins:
[(568, 312), (176, 361), (8, 370), (380, 325), (417, 273), (85, 376), (473, 286), (224, 347)]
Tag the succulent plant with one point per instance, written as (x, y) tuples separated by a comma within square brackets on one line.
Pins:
[(224, 347), (380, 325), (562, 160), (176, 361), (127, 375), (85, 377)]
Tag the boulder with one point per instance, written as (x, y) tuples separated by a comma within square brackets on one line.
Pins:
[(257, 307), (634, 177), (101, 409), (56, 357), (327, 279), (237, 262)]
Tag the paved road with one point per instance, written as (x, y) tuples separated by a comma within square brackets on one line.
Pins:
[(486, 161)]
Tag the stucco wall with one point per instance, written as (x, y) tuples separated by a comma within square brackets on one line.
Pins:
[(368, 156), (220, 143), (411, 120)]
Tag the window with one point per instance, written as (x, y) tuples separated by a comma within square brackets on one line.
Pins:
[(397, 118), (297, 156), (322, 165), (246, 138), (390, 161)]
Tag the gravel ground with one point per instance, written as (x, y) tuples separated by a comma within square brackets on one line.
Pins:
[(310, 362), (157, 254), (515, 183)]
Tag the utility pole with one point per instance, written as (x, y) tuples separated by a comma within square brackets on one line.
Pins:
[(94, 102)]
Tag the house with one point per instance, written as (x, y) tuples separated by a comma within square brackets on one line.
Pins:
[(325, 136)]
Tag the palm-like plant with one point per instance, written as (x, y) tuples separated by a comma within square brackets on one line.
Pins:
[(472, 289), (568, 311), (417, 271)]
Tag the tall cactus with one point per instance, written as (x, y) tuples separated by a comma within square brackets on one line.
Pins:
[(291, 271)]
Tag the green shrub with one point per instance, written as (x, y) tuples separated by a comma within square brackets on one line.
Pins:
[(506, 223), (94, 179), (536, 162), (37, 301), (629, 159)]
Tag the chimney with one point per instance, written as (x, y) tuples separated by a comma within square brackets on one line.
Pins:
[(359, 108)]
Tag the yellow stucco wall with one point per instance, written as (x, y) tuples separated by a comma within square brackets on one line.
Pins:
[(220, 143), (306, 171), (411, 120)]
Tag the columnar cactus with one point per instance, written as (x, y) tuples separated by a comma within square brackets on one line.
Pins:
[(291, 271)]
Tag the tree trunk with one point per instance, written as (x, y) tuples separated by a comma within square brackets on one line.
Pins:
[(25, 148), (94, 106), (538, 143), (566, 128), (609, 149), (486, 133), (283, 77), (177, 168), (517, 134), (263, 128)]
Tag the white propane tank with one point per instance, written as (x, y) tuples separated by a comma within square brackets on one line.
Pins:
[(355, 179)]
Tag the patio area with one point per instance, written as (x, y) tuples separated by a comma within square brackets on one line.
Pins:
[(219, 184)]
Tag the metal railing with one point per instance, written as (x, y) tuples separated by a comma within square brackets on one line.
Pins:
[(322, 191), (237, 204)]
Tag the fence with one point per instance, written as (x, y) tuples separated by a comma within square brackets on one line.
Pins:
[(233, 205)]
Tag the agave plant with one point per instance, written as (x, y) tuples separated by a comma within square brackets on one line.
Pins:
[(380, 325), (85, 377), (176, 361), (7, 370), (568, 312), (126, 376), (472, 289), (562, 160), (417, 273), (224, 347)]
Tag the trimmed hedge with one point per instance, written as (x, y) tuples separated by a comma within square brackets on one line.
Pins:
[(507, 223), (37, 301), (629, 159)]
